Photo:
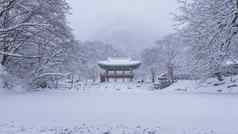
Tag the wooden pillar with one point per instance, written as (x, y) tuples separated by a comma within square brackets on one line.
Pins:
[(102, 78), (131, 75), (107, 75), (115, 76), (123, 73)]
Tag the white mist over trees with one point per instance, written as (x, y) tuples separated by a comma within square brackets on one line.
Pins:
[(168, 56), (92, 53)]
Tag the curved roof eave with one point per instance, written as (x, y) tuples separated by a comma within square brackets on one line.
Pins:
[(119, 66)]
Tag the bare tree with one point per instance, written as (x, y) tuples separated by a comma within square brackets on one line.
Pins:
[(169, 47)]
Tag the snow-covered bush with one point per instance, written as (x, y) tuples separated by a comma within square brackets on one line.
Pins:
[(4, 76), (8, 81)]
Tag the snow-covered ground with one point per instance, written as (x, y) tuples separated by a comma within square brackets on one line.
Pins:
[(121, 109), (210, 86)]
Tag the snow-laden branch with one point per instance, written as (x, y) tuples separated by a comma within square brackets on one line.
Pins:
[(4, 30), (8, 7), (17, 55), (51, 74)]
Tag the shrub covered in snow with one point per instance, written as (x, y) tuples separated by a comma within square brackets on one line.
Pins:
[(8, 81), (4, 76)]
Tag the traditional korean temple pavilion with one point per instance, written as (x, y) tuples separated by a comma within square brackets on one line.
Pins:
[(118, 68)]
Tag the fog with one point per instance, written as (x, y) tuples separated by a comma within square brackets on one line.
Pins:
[(130, 25)]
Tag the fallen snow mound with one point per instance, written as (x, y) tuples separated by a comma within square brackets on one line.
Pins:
[(11, 128), (229, 86), (10, 83)]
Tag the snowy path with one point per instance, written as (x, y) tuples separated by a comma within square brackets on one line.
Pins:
[(174, 113)]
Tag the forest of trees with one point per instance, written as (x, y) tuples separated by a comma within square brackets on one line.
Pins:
[(205, 39), (35, 40), (37, 45)]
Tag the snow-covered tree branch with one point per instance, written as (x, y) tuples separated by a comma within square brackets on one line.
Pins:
[(34, 37)]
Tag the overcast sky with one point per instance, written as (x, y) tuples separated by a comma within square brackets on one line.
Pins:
[(131, 25)]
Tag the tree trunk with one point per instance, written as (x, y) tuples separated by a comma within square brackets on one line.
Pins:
[(5, 25), (170, 73), (152, 70), (4, 59)]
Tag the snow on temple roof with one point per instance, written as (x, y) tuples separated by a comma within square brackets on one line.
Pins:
[(119, 62)]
